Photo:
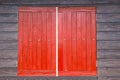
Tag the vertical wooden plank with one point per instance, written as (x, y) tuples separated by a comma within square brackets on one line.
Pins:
[(88, 53), (60, 42), (44, 41), (34, 38), (29, 41), (83, 41), (93, 36), (39, 46), (64, 41), (79, 48), (49, 37), (53, 57), (74, 53), (68, 42), (25, 40), (32, 41)]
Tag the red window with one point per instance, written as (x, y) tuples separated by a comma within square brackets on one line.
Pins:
[(76, 41)]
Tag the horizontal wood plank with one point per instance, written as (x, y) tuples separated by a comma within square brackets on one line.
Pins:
[(108, 54), (108, 8), (48, 78), (108, 17), (8, 63), (108, 63), (106, 1), (8, 27), (59, 2), (8, 35), (55, 2), (8, 53), (8, 71), (108, 72), (8, 9), (108, 26), (108, 45), (8, 17), (78, 78), (6, 45), (108, 78), (44, 2), (108, 36)]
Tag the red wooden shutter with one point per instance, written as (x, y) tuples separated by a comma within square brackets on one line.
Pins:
[(36, 46), (77, 41)]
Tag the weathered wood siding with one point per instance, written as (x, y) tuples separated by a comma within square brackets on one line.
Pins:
[(108, 37)]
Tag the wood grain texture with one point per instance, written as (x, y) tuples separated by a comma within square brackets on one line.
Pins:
[(8, 9), (8, 71), (108, 8), (8, 45), (8, 17), (108, 18), (109, 78), (15, 2), (8, 35), (55, 2), (8, 54), (8, 27), (109, 36), (108, 63), (108, 72), (106, 2), (47, 78), (108, 27), (8, 63), (113, 45), (108, 54)]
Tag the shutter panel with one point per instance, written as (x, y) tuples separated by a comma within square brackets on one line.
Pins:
[(77, 41), (36, 46)]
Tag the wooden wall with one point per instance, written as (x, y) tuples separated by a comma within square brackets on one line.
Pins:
[(108, 37)]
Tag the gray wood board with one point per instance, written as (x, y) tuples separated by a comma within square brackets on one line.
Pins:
[(8, 17), (108, 18), (48, 78), (108, 8), (59, 2), (8, 63), (8, 54), (108, 36), (108, 26), (108, 45), (8, 35), (108, 63), (8, 27), (108, 54), (8, 45), (8, 9), (109, 72)]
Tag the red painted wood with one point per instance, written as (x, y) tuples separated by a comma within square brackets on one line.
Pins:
[(60, 42), (77, 41), (36, 46)]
